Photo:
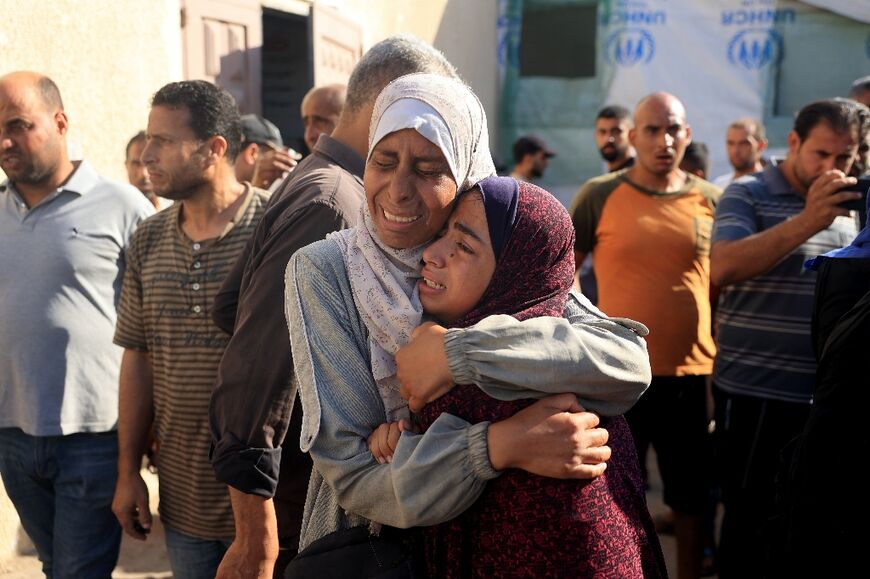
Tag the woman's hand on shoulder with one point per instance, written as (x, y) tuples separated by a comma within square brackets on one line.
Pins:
[(554, 437), (423, 372)]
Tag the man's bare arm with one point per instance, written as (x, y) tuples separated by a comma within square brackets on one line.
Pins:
[(135, 416), (255, 549), (743, 259)]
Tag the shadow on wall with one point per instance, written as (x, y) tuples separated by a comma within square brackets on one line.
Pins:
[(236, 77), (467, 36)]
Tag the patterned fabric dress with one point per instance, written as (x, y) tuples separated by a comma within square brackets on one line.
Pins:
[(526, 525)]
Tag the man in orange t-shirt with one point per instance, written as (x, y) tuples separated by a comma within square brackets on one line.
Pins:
[(648, 228)]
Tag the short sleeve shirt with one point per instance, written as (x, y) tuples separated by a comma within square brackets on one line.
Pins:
[(763, 324), (61, 265), (651, 252), (168, 291)]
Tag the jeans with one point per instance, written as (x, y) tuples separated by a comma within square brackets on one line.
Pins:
[(192, 557), (62, 488)]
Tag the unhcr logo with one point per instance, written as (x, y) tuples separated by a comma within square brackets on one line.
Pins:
[(629, 46), (754, 48)]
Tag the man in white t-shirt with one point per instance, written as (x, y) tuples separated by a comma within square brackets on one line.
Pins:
[(745, 142)]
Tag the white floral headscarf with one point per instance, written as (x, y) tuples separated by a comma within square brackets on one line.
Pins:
[(383, 279)]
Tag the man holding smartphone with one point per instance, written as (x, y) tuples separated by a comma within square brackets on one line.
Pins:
[(767, 225)]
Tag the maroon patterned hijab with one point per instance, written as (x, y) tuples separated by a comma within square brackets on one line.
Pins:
[(533, 240)]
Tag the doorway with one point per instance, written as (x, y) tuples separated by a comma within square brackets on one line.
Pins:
[(287, 72)]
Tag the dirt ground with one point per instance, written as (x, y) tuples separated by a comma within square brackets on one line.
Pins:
[(138, 560), (147, 560)]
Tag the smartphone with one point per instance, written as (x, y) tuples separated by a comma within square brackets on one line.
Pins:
[(859, 204)]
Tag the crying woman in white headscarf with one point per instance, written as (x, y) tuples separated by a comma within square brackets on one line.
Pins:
[(352, 302)]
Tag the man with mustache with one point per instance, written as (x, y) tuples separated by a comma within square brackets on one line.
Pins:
[(611, 137), (649, 230), (63, 234), (176, 262), (137, 173), (767, 226), (745, 142)]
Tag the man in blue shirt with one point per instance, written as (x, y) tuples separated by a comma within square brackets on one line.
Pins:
[(767, 225), (63, 232)]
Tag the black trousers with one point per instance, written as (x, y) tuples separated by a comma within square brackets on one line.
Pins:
[(751, 433), (826, 508)]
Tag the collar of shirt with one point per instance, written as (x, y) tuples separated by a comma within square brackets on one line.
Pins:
[(240, 213), (628, 163), (83, 179), (691, 183), (776, 182), (341, 154)]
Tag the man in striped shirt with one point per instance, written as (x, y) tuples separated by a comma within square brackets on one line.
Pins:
[(767, 225), (175, 265)]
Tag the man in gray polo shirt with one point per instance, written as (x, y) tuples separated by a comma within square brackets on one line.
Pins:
[(767, 225), (63, 232)]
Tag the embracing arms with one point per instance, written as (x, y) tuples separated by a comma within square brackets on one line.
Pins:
[(434, 476), (602, 360)]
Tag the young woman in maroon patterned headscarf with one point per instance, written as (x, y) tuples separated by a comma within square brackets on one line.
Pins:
[(508, 249)]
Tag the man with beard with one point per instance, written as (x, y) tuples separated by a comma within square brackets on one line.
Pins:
[(175, 265), (745, 142), (767, 226), (137, 174), (531, 158), (611, 137), (63, 231), (649, 230)]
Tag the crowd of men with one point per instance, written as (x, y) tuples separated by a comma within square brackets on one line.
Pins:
[(150, 321), (669, 248)]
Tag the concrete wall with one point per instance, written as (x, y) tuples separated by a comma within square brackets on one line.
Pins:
[(465, 30), (108, 57)]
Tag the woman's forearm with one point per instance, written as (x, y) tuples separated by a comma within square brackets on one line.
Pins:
[(602, 362)]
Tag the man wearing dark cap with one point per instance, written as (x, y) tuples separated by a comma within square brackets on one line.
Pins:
[(258, 135), (696, 160), (531, 157)]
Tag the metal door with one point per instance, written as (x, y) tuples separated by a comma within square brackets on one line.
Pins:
[(222, 41)]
